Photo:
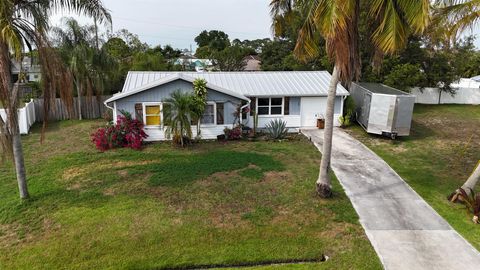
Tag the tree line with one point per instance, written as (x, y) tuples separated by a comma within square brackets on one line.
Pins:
[(429, 58)]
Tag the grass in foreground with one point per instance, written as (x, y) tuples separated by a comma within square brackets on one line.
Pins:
[(163, 207), (437, 158)]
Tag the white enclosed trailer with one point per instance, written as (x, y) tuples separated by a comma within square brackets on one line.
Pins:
[(383, 110)]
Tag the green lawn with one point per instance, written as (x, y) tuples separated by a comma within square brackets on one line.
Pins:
[(211, 204), (437, 158)]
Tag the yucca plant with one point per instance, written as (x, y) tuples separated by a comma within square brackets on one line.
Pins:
[(277, 129), (471, 200)]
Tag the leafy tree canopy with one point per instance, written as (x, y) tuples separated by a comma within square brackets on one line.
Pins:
[(216, 40)]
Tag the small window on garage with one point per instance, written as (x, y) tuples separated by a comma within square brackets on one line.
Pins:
[(152, 115)]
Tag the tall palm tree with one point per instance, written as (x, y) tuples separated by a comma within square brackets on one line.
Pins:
[(177, 112), (337, 22), (91, 67), (24, 24)]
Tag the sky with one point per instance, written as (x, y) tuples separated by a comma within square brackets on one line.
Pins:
[(178, 22)]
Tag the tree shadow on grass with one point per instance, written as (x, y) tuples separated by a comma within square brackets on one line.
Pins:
[(179, 171)]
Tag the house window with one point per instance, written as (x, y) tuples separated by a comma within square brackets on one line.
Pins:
[(152, 115), (208, 117), (270, 106), (220, 113)]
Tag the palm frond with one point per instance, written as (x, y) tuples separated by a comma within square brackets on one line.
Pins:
[(91, 8), (337, 22), (279, 11), (396, 21)]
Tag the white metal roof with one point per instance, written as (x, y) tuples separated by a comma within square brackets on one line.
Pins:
[(250, 84)]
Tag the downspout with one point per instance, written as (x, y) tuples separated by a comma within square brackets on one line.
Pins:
[(241, 110), (111, 108)]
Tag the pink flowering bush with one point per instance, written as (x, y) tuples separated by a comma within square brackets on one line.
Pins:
[(233, 134), (125, 133)]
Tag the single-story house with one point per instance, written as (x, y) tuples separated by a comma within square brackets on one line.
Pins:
[(297, 97)]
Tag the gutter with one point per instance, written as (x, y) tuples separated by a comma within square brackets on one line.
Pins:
[(105, 103)]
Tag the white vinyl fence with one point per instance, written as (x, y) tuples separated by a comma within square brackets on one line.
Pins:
[(26, 117), (434, 96)]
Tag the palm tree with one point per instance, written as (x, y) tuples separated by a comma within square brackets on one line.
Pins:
[(177, 112), (199, 101), (24, 24), (91, 67), (463, 14), (337, 22)]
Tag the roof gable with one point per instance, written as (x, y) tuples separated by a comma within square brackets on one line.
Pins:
[(171, 78)]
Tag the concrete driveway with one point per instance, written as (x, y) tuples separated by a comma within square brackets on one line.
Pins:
[(404, 230)]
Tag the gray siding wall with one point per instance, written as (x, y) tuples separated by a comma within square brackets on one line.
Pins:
[(229, 108), (162, 92)]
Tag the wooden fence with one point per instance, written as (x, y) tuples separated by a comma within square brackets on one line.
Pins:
[(92, 108)]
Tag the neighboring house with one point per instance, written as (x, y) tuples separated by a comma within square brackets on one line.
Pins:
[(31, 69), (252, 63), (193, 63), (299, 98), (473, 82)]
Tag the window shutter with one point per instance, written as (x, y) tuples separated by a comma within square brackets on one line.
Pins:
[(286, 106), (253, 105), (220, 113), (139, 112)]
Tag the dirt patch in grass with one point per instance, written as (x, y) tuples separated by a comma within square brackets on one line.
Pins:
[(77, 178), (8, 235), (222, 217), (137, 185), (271, 177), (336, 230)]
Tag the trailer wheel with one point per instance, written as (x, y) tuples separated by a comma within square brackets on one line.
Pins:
[(393, 136)]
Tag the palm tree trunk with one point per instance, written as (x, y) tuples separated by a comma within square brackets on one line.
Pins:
[(96, 33), (472, 180), (198, 127), (79, 100), (10, 126), (468, 186), (181, 134), (324, 186), (20, 166)]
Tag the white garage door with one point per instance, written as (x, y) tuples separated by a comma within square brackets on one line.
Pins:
[(312, 108)]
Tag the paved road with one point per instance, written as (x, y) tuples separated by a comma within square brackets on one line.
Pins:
[(404, 230)]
